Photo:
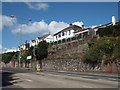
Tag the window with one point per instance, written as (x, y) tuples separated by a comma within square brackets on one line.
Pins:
[(69, 32), (63, 33), (56, 37), (60, 35)]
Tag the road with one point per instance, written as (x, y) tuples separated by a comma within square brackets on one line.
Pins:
[(17, 78)]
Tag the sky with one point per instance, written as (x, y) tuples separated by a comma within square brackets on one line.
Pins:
[(50, 17)]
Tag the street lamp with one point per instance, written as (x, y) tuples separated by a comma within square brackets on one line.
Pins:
[(12, 16)]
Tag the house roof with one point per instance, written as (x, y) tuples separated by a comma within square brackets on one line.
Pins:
[(108, 24), (32, 40), (82, 30), (43, 36), (25, 41), (70, 26)]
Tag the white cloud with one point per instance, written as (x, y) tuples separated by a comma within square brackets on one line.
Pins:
[(42, 27), (93, 26), (5, 50), (54, 26), (6, 21), (35, 27), (78, 23), (2, 50), (11, 50), (37, 6)]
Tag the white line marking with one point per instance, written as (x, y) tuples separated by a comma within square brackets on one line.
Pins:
[(112, 79), (87, 86), (28, 80)]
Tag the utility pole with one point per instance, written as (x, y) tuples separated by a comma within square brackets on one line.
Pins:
[(20, 36), (35, 54)]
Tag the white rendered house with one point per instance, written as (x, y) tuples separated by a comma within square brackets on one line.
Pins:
[(67, 32), (32, 43), (82, 32), (24, 46), (48, 38)]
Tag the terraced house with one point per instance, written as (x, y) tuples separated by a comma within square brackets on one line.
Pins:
[(24, 47), (32, 43), (48, 38)]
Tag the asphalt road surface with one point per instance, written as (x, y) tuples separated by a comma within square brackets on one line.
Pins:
[(17, 78)]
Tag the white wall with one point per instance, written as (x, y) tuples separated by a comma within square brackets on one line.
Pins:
[(66, 35), (49, 38), (32, 43)]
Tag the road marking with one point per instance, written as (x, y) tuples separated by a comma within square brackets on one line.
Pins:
[(112, 79), (101, 79), (28, 80), (87, 86), (16, 77), (25, 74)]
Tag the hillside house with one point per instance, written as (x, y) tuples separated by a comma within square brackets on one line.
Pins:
[(85, 31), (105, 25), (32, 43), (25, 46), (102, 26), (48, 38), (67, 32)]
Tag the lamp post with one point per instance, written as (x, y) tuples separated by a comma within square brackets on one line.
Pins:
[(12, 16)]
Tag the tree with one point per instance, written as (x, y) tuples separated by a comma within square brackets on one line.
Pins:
[(30, 51), (42, 50), (6, 57)]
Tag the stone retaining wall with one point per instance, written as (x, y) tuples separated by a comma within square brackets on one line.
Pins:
[(71, 65)]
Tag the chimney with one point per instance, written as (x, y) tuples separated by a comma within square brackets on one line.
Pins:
[(70, 24), (113, 20), (82, 26)]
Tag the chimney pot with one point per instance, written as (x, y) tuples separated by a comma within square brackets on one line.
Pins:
[(70, 24), (82, 26)]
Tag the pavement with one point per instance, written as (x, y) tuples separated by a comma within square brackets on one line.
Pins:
[(23, 78), (70, 72)]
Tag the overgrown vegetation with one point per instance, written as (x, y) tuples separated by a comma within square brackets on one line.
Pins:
[(106, 48), (110, 31)]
